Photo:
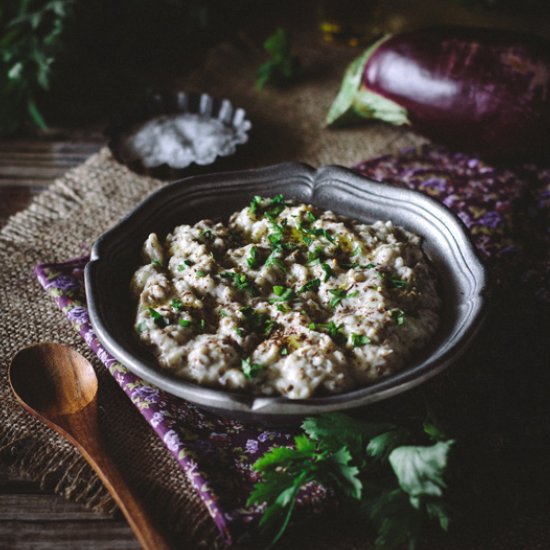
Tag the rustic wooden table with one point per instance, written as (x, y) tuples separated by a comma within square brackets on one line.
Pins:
[(31, 518)]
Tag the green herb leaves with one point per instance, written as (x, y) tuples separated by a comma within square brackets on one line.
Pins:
[(158, 318), (241, 282), (398, 314), (283, 66), (252, 260), (270, 208), (339, 294), (314, 284), (282, 294), (332, 329), (359, 340), (250, 369), (258, 322), (399, 485)]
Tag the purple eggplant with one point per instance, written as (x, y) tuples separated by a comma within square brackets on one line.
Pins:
[(480, 90)]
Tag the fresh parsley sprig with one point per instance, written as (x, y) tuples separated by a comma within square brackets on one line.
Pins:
[(283, 66), (398, 484)]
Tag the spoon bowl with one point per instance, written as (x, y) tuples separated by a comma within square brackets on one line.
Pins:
[(59, 387), (53, 379)]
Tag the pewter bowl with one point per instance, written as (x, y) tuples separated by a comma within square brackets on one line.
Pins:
[(116, 255)]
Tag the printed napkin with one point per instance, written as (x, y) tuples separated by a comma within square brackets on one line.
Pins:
[(506, 210)]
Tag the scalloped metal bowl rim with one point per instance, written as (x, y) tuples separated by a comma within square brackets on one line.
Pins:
[(253, 407)]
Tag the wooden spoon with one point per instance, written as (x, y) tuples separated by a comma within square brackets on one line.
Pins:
[(59, 386)]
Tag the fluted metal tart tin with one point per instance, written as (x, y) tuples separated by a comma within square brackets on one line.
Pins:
[(116, 255), (165, 104)]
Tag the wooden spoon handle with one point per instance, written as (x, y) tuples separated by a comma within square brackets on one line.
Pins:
[(144, 527)]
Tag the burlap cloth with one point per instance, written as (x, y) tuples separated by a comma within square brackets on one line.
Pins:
[(63, 222)]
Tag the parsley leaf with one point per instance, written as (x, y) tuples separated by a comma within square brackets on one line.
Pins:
[(282, 294), (359, 340), (253, 259), (184, 323), (398, 314), (184, 265), (258, 322), (310, 216), (273, 259), (332, 329), (159, 319), (176, 304), (420, 470), (390, 281), (339, 294), (312, 285), (282, 66), (328, 271), (250, 369), (255, 205), (241, 282), (399, 486)]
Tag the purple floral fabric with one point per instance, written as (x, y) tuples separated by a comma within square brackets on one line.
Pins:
[(506, 209), (507, 212)]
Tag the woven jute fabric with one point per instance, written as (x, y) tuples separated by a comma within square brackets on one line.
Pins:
[(64, 221)]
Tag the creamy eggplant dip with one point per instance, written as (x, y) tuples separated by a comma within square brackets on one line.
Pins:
[(285, 299)]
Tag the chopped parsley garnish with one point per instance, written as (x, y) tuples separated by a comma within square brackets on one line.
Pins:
[(185, 323), (359, 340), (239, 331), (314, 284), (332, 329), (391, 281), (250, 369), (284, 350), (308, 233), (324, 233), (271, 210), (356, 251), (176, 304), (273, 259), (255, 204), (253, 260), (202, 325), (314, 256), (282, 293), (310, 216), (159, 319), (222, 313), (398, 314), (275, 207), (241, 282), (184, 265), (201, 273), (277, 236), (156, 262), (339, 294), (258, 322), (328, 271)]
